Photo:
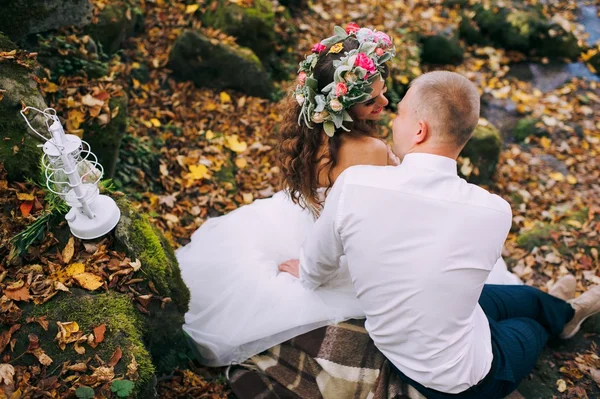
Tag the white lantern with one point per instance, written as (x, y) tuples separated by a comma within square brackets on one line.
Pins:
[(72, 171)]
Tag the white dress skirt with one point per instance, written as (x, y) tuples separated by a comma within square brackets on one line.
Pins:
[(240, 304)]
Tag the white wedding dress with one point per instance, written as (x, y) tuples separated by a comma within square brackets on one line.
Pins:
[(240, 304)]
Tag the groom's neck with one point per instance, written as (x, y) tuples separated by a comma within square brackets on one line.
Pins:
[(441, 150)]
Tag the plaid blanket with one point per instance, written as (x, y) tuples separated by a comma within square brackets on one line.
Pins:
[(339, 361)]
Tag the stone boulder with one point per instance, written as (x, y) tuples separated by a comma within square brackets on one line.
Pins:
[(482, 151), (124, 330), (442, 49), (141, 240), (19, 18), (116, 22), (208, 63), (518, 27), (105, 140), (18, 148), (253, 25)]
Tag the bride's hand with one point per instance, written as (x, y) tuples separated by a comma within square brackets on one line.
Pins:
[(393, 159), (291, 266)]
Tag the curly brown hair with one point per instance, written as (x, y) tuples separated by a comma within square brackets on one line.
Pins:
[(300, 150)]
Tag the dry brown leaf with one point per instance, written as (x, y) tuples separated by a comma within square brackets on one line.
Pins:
[(115, 358), (25, 197), (42, 321), (99, 333), (104, 374), (89, 281), (79, 367), (7, 372), (42, 356), (68, 251), (21, 294), (132, 369), (6, 336), (78, 348), (67, 332)]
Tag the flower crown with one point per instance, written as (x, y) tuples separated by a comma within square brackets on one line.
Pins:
[(354, 74)]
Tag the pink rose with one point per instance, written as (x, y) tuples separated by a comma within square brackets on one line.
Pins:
[(302, 78), (363, 61), (382, 37), (379, 51), (352, 27), (341, 89), (318, 47)]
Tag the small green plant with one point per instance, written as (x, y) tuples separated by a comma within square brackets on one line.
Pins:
[(84, 392), (122, 388)]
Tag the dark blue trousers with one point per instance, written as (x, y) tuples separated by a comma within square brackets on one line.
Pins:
[(521, 319)]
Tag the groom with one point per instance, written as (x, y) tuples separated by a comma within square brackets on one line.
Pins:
[(420, 242)]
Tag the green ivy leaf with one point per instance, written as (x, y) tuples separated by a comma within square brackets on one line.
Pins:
[(122, 388), (84, 392)]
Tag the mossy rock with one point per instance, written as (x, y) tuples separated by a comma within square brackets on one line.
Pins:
[(209, 63), (5, 43), (116, 22), (295, 6), (470, 32), (124, 330), (595, 63), (483, 151), (519, 27), (105, 140), (252, 25), (19, 18), (528, 127), (140, 239), (18, 148), (441, 49), (138, 163)]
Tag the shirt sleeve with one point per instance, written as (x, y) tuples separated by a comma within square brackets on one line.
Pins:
[(322, 249)]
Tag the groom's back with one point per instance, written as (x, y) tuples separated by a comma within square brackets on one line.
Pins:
[(420, 243)]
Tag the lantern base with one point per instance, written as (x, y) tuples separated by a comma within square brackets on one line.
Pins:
[(107, 215)]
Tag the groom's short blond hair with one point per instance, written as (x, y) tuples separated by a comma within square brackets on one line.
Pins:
[(449, 103)]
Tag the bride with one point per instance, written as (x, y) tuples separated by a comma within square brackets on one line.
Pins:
[(240, 304)]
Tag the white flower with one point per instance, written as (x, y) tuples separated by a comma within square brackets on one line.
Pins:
[(300, 98), (351, 60), (364, 35), (336, 105), (318, 117)]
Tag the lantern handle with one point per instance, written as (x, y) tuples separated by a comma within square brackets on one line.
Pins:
[(49, 115)]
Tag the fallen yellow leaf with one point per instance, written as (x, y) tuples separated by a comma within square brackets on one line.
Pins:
[(74, 269), (88, 281), (561, 385), (248, 198), (241, 163), (225, 98), (210, 135), (25, 197), (557, 176), (198, 172), (68, 251), (545, 142), (571, 179), (155, 122), (235, 145), (190, 9)]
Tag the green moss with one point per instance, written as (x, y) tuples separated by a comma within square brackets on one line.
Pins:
[(18, 150), (105, 141), (194, 57), (5, 43), (470, 32), (483, 150), (441, 50), (562, 44), (141, 240), (226, 176), (253, 26), (536, 237), (124, 330), (541, 234), (528, 127)]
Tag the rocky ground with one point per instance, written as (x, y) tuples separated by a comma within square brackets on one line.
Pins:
[(179, 100)]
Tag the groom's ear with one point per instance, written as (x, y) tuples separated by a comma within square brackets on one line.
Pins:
[(423, 132)]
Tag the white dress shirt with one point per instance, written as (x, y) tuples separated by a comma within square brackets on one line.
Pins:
[(419, 242)]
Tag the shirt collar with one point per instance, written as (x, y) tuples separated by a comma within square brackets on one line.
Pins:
[(437, 163)]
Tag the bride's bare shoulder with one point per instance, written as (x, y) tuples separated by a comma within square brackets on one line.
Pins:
[(363, 151)]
